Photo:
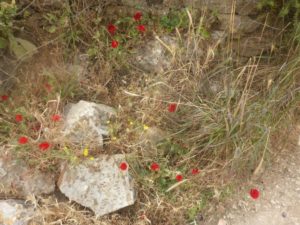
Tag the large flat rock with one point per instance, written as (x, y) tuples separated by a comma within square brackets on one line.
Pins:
[(98, 184), (21, 180)]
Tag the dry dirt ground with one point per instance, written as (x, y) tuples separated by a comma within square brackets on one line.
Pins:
[(279, 186)]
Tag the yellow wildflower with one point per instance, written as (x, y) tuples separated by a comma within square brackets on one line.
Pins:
[(85, 152), (146, 127), (92, 158)]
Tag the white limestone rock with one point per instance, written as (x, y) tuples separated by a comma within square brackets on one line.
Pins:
[(23, 181), (98, 184), (86, 123), (16, 212)]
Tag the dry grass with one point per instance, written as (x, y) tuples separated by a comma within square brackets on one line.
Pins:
[(225, 132), (223, 123)]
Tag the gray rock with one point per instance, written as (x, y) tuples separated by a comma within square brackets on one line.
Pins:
[(149, 140), (77, 70), (79, 66), (155, 57), (252, 46), (242, 7), (86, 123), (242, 24), (153, 136), (6, 68), (247, 7), (218, 36), (16, 212), (16, 177), (98, 184)]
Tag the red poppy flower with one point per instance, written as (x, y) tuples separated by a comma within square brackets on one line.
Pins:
[(23, 140), (195, 171), (172, 107), (4, 97), (254, 193), (114, 44), (19, 118), (154, 167), (137, 16), (48, 87), (111, 29), (141, 28), (123, 166), (44, 146), (55, 117), (179, 177)]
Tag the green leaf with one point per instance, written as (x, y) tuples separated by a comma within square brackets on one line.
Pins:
[(284, 11), (203, 32), (21, 48), (51, 29)]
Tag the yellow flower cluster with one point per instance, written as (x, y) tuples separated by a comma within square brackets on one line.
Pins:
[(86, 153)]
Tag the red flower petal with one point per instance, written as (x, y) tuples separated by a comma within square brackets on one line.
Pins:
[(172, 107), (123, 166), (23, 140), (55, 117), (195, 171), (154, 167), (48, 87), (111, 29), (137, 16), (141, 28), (44, 146), (114, 44), (19, 118), (4, 97), (254, 193), (179, 177)]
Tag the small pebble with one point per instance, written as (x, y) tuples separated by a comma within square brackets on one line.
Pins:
[(200, 217), (283, 214), (234, 206), (222, 222)]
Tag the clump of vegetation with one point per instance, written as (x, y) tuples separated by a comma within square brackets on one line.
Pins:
[(287, 10), (218, 120), (7, 13)]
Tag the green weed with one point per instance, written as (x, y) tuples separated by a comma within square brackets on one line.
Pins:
[(7, 13), (174, 19)]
